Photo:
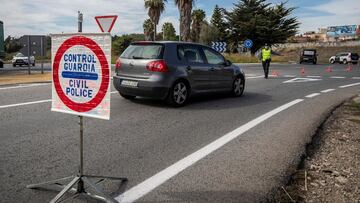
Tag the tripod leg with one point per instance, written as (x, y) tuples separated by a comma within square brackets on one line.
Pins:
[(33, 186), (97, 190), (66, 189), (107, 177)]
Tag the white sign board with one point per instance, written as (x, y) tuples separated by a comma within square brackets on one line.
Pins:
[(81, 74), (106, 23)]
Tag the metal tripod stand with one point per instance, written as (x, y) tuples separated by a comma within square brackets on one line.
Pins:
[(79, 181)]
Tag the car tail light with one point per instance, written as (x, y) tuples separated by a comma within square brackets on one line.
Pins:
[(157, 66), (118, 64)]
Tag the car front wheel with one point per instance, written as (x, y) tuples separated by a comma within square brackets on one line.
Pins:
[(238, 87), (332, 61), (345, 61), (178, 94)]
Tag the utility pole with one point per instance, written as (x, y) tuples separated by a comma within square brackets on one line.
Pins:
[(80, 21)]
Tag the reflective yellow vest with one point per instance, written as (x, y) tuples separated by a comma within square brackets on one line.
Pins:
[(266, 54)]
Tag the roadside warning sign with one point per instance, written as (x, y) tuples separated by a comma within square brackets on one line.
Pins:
[(81, 74), (106, 23)]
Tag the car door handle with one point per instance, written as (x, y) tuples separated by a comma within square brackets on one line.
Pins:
[(188, 68), (212, 69)]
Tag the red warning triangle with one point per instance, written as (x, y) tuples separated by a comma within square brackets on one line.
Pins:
[(106, 23)]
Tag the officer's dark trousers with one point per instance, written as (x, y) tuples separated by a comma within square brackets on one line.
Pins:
[(266, 65)]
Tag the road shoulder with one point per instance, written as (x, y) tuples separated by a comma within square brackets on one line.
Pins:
[(330, 171)]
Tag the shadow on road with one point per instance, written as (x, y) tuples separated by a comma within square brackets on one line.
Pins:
[(211, 101)]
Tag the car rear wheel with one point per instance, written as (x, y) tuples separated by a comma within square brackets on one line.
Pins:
[(178, 94), (332, 61), (238, 87), (129, 97), (354, 63), (345, 61), (14, 65)]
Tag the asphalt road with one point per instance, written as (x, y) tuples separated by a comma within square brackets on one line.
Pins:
[(216, 149), (37, 67)]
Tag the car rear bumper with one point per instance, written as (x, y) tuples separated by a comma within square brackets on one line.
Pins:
[(144, 88)]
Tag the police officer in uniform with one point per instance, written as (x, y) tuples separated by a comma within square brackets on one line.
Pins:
[(266, 59)]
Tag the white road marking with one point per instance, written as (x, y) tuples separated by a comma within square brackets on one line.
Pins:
[(350, 85), (313, 76), (337, 77), (298, 80), (161, 177), (289, 76), (24, 86), (253, 77), (34, 102), (312, 95), (356, 78), (328, 90), (24, 104)]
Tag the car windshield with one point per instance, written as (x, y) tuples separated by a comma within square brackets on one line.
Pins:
[(143, 51), (19, 55), (309, 53)]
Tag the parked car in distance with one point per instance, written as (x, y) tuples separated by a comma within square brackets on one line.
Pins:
[(174, 71), (344, 58), (20, 59), (309, 56), (1, 63)]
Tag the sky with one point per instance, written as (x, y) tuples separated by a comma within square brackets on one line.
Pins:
[(47, 16)]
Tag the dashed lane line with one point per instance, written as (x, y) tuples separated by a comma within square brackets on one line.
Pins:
[(337, 77), (314, 76), (312, 95), (350, 85), (328, 90)]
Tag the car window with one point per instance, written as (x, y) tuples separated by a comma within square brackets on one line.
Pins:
[(213, 57), (143, 51), (190, 54), (19, 55), (309, 52)]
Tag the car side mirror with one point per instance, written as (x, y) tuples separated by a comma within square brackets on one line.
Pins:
[(228, 63)]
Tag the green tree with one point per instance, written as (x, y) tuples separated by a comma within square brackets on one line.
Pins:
[(217, 20), (185, 8), (208, 33), (169, 32), (197, 18), (261, 22), (148, 30), (120, 43), (155, 9)]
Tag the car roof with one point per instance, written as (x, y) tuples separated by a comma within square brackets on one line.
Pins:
[(168, 42)]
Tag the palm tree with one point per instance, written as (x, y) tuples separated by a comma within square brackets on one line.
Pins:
[(148, 30), (185, 8), (197, 18), (155, 8)]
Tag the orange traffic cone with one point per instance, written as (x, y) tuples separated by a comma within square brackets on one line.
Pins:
[(275, 73), (302, 71), (329, 69)]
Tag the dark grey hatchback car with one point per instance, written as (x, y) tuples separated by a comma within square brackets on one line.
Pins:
[(174, 71)]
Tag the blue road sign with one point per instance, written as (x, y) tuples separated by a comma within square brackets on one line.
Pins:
[(248, 43)]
